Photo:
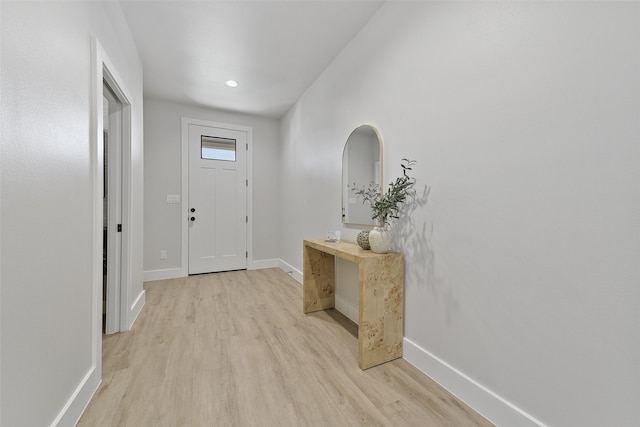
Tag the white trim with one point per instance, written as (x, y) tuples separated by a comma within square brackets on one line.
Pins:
[(120, 318), (185, 122), (345, 307), (291, 271), (163, 274), (264, 263), (184, 153), (100, 62), (135, 309), (176, 273), (487, 403), (249, 168), (96, 150), (78, 401), (71, 412)]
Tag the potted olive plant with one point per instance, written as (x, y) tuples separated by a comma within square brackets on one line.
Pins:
[(386, 206)]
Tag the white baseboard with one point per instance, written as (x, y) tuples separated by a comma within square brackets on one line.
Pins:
[(167, 273), (75, 406), (346, 308), (488, 404), (175, 273), (136, 308), (290, 270), (264, 263)]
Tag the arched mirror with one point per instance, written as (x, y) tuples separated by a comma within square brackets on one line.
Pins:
[(362, 165)]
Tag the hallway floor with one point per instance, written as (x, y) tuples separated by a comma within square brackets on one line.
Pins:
[(235, 349)]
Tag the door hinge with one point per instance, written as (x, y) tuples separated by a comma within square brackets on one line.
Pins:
[(247, 219), (247, 146), (119, 228), (246, 254), (247, 182)]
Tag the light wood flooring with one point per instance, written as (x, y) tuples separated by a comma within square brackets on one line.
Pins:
[(235, 349)]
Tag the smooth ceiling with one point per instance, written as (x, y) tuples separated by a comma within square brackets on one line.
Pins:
[(274, 49)]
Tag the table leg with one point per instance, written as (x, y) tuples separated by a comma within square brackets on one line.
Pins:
[(381, 308), (318, 280)]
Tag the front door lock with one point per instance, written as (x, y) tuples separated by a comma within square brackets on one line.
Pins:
[(193, 209), (193, 218)]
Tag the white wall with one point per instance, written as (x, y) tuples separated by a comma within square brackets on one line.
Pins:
[(163, 176), (47, 201), (522, 267)]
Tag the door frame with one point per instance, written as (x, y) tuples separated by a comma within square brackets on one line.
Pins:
[(104, 70), (119, 126), (185, 122), (117, 310)]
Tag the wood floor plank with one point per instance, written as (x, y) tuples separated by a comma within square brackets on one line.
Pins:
[(235, 349)]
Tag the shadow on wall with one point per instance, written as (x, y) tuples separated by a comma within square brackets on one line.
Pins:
[(420, 259)]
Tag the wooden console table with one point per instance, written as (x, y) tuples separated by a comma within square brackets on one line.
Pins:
[(381, 295)]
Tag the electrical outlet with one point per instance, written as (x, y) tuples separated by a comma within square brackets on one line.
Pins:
[(163, 254)]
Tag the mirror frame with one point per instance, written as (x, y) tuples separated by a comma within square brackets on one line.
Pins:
[(345, 190)]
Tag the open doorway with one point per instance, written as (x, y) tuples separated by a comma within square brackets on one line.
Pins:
[(112, 208)]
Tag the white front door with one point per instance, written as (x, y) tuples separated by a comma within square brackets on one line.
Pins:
[(217, 199)]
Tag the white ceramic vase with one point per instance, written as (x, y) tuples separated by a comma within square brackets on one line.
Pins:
[(380, 240)]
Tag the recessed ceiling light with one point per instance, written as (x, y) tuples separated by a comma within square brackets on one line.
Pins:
[(231, 83)]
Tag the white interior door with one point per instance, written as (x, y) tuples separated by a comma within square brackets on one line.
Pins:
[(217, 199), (113, 137)]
